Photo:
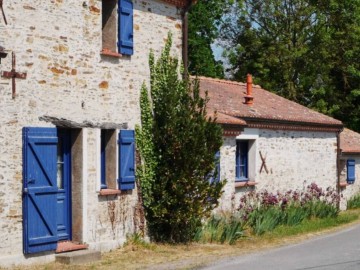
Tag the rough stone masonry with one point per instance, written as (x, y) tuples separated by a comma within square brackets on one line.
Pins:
[(58, 45)]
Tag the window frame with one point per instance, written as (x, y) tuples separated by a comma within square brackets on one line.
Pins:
[(117, 27), (242, 160), (107, 159)]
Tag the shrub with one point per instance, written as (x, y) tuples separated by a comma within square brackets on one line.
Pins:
[(177, 143), (354, 202), (264, 210)]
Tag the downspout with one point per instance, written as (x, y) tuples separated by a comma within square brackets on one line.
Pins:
[(338, 154), (185, 28)]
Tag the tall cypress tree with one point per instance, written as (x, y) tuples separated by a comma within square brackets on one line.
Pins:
[(177, 142)]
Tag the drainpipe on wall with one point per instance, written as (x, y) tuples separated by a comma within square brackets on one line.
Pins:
[(185, 28)]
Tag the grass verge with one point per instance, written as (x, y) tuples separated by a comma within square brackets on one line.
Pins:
[(314, 225), (139, 255)]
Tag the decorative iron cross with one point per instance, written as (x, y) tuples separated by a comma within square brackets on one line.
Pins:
[(2, 11), (13, 75)]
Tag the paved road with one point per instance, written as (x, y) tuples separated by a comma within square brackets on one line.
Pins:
[(337, 251)]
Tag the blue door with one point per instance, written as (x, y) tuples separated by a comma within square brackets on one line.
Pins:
[(63, 179), (39, 189)]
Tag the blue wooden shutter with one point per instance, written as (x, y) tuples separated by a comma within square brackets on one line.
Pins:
[(350, 171), (125, 27), (127, 159), (217, 169), (39, 189), (217, 165)]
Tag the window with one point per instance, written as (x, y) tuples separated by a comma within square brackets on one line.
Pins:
[(108, 159), (350, 169), (117, 27), (117, 154), (241, 164)]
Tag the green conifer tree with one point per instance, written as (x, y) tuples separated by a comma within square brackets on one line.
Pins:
[(177, 143)]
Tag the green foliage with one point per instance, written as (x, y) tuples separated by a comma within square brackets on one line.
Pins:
[(354, 202), (321, 209), (307, 51), (312, 225), (295, 214), (204, 20), (177, 143), (265, 219), (221, 229), (136, 240), (265, 211)]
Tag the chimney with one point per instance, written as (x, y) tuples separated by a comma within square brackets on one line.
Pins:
[(249, 99)]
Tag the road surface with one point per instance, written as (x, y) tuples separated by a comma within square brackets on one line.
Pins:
[(337, 251)]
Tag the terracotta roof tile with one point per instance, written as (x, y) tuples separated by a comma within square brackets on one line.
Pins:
[(349, 141), (178, 3), (227, 97), (227, 119)]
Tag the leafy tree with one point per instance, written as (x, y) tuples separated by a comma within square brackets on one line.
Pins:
[(204, 21), (177, 143), (305, 50), (342, 94)]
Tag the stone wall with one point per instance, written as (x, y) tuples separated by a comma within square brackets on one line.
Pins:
[(294, 159), (352, 189), (58, 43)]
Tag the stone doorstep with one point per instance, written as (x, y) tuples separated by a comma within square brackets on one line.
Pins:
[(78, 257), (66, 246)]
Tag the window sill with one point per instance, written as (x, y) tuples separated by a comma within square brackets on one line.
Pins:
[(107, 52), (345, 184), (107, 192), (245, 184)]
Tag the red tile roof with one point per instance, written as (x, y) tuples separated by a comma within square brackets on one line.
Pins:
[(227, 98), (227, 119), (178, 3), (350, 142)]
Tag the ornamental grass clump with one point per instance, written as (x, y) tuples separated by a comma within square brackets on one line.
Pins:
[(354, 202), (264, 211), (221, 229)]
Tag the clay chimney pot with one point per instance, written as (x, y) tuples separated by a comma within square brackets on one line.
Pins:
[(249, 99)]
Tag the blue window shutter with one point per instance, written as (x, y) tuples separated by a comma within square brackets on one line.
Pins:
[(217, 165), (39, 189), (126, 159), (125, 27), (350, 171), (217, 169)]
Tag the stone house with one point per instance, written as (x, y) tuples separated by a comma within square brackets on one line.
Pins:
[(349, 164), (273, 143), (71, 73)]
